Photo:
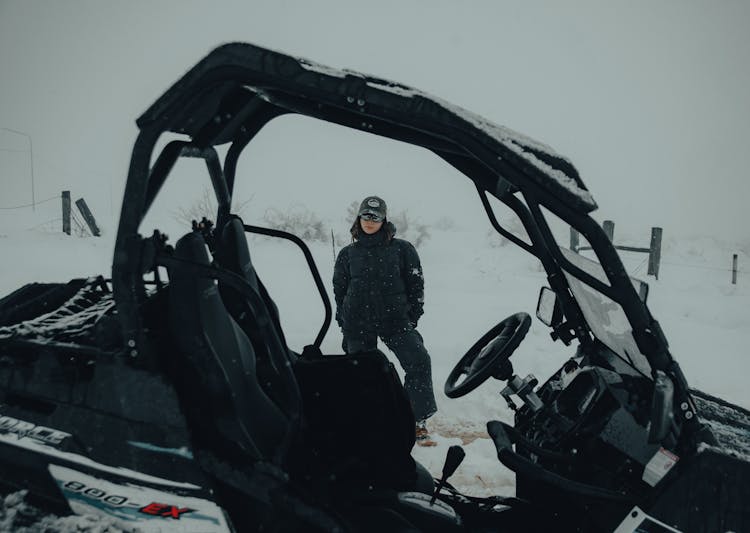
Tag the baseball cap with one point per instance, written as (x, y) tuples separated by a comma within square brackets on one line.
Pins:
[(373, 205)]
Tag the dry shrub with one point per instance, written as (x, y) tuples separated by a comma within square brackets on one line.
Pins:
[(298, 220)]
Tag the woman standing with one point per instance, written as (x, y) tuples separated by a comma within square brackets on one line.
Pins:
[(379, 290)]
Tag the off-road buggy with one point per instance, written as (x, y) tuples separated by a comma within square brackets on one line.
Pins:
[(167, 399)]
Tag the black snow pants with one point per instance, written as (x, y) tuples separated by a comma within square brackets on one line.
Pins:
[(409, 349)]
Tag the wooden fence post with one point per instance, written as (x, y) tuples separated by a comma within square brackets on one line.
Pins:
[(609, 229), (88, 217), (734, 269), (574, 241), (654, 256), (66, 212)]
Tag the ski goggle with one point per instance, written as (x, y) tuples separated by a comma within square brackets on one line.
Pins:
[(371, 216)]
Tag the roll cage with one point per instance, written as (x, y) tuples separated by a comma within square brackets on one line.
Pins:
[(238, 88)]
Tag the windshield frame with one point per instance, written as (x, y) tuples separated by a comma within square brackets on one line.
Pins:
[(617, 285)]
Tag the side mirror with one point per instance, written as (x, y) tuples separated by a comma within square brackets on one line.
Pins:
[(548, 308), (662, 405)]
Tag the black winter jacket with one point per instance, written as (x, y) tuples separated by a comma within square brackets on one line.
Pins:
[(378, 285)]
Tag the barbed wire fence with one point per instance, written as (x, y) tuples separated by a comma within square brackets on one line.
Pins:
[(87, 226), (734, 271), (80, 229), (83, 225), (29, 205), (653, 259), (729, 270), (639, 267), (51, 221)]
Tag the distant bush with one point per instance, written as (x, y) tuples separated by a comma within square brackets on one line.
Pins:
[(342, 235), (352, 211), (514, 226), (494, 239), (298, 220), (205, 206), (410, 229), (445, 223)]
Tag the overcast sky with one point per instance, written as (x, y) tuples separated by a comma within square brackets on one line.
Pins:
[(649, 99)]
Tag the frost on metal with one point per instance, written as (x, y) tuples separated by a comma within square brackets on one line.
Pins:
[(729, 424), (520, 144), (16, 514), (511, 139), (312, 66), (398, 89), (502, 134), (73, 321)]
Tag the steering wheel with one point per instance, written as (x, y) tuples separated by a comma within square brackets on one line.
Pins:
[(490, 356)]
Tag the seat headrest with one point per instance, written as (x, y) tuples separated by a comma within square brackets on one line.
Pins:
[(233, 252)]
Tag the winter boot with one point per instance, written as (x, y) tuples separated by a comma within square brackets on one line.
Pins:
[(423, 435)]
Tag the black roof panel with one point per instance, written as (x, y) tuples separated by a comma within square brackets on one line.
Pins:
[(237, 79)]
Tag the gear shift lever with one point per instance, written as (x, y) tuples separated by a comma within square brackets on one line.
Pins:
[(453, 458)]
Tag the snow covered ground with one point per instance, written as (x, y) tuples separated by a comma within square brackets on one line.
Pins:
[(472, 282)]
